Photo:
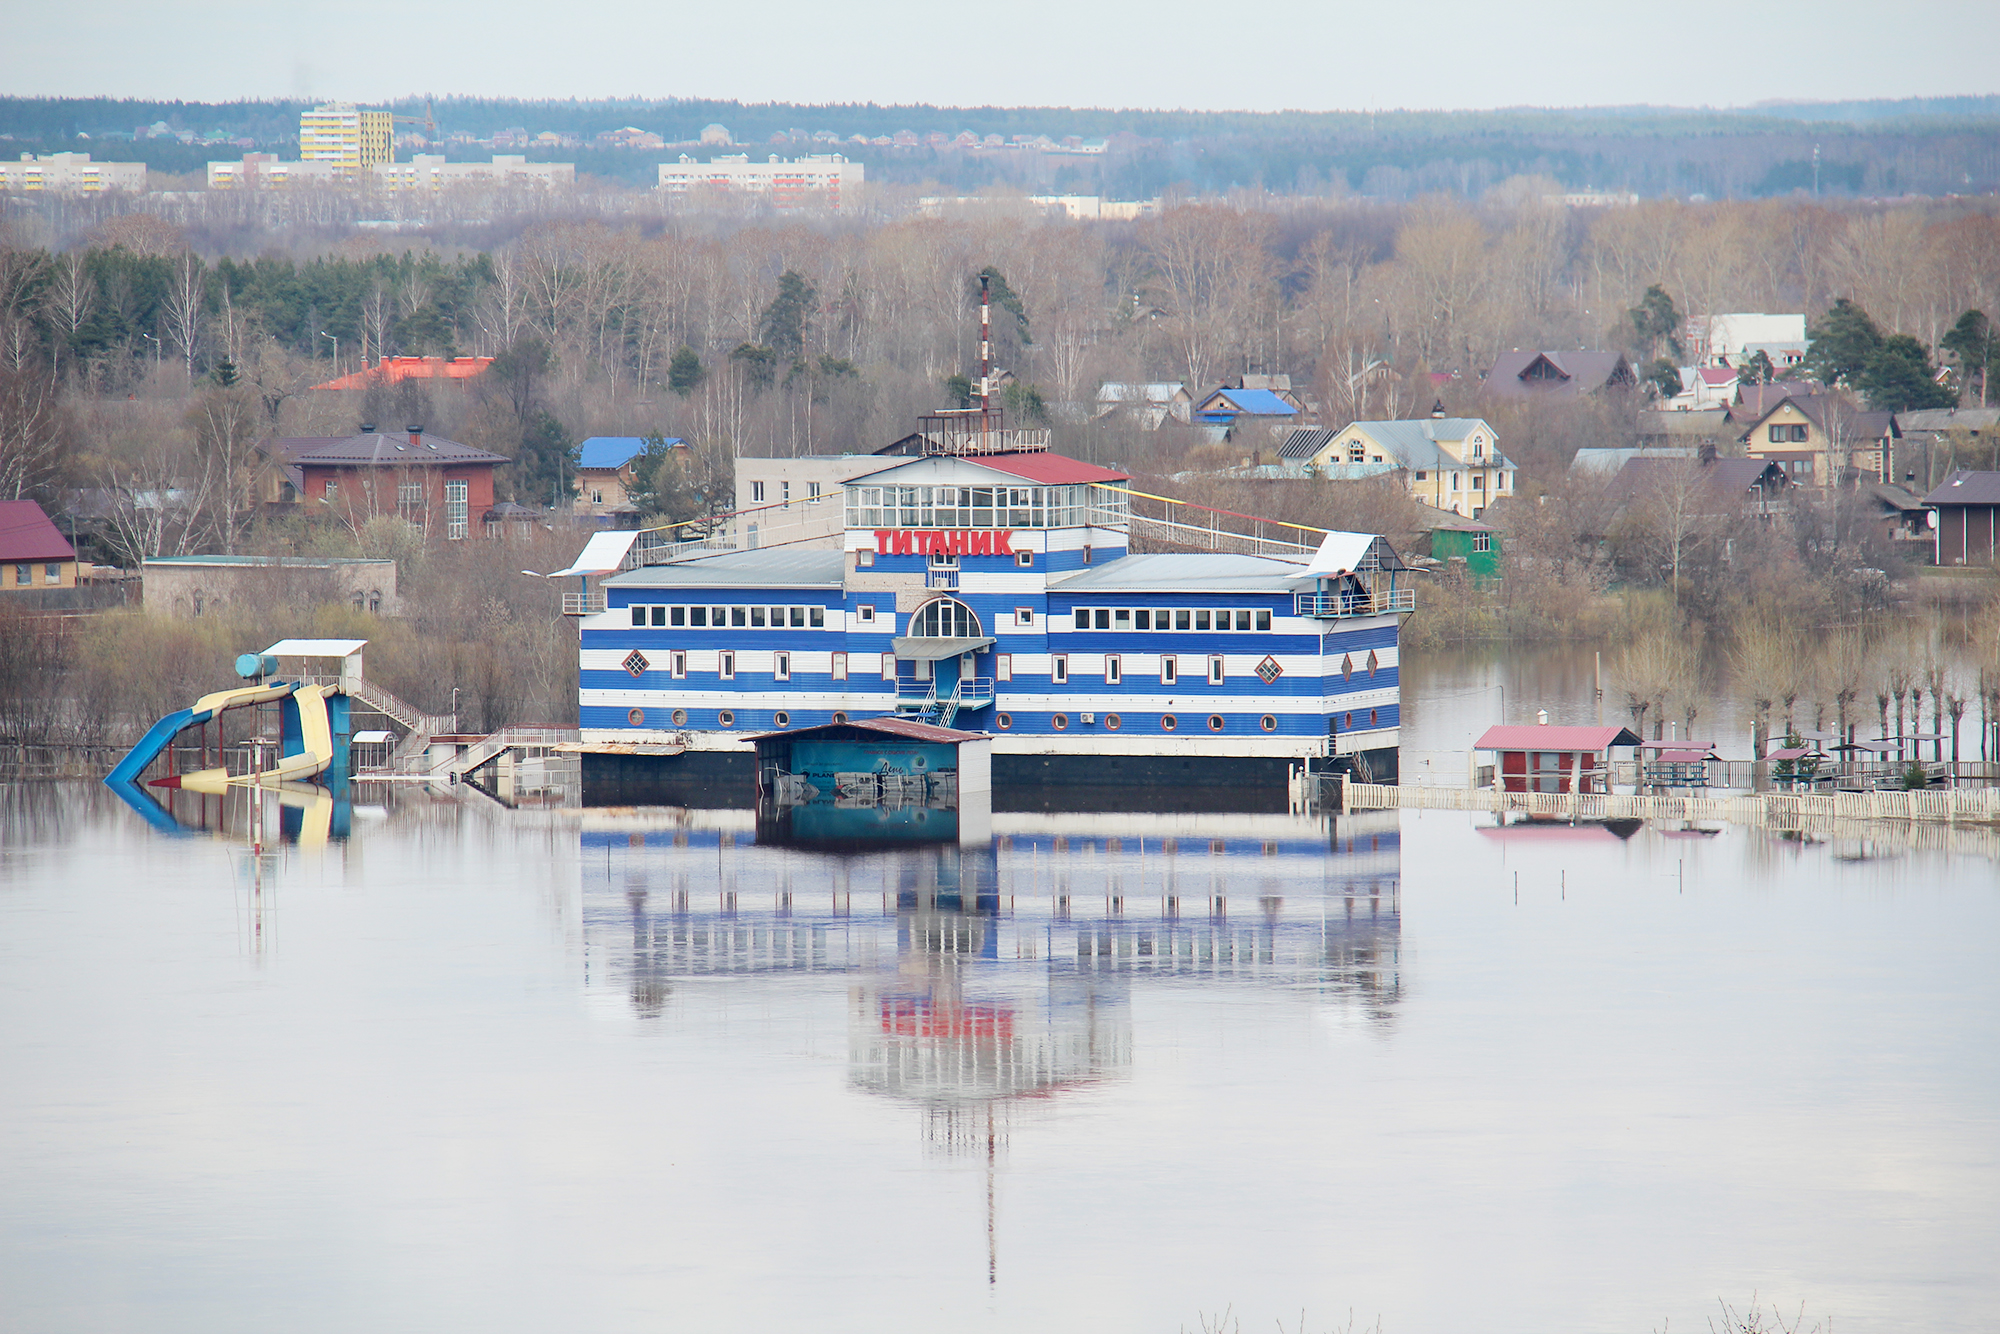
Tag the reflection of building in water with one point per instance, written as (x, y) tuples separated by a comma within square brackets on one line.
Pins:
[(981, 982), (1309, 905)]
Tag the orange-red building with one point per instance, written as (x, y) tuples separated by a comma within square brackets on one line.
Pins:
[(395, 370)]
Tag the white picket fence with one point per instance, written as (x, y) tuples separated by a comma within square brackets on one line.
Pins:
[(1948, 805)]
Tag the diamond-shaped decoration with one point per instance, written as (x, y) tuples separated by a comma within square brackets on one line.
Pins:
[(635, 663), (1268, 670)]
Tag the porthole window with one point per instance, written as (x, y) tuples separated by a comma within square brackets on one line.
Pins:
[(1168, 722), (680, 717), (1004, 721), (1112, 721), (635, 716), (781, 719), (840, 717), (1215, 722), (1060, 722), (726, 718), (1268, 723)]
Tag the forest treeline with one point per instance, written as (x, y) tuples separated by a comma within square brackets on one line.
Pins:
[(1838, 150), (756, 336)]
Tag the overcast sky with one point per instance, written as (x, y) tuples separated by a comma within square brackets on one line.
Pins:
[(1306, 54)]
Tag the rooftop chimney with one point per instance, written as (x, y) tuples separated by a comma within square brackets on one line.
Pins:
[(416, 431), (1437, 408), (367, 428), (1542, 717)]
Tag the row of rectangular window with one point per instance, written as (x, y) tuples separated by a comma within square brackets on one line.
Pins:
[(773, 618), (983, 507), (784, 492), (1003, 667), (25, 574), (1179, 618)]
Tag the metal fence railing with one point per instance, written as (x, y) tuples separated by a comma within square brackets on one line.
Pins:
[(1766, 808)]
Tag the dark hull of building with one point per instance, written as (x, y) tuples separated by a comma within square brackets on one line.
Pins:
[(726, 780)]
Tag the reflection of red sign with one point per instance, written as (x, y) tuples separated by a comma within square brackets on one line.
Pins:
[(906, 1018), (945, 541)]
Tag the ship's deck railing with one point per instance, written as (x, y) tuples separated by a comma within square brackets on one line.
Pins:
[(1336, 606)]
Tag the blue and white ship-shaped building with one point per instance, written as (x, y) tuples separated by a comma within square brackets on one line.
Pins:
[(987, 584)]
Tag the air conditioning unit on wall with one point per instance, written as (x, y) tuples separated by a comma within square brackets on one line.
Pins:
[(1087, 718)]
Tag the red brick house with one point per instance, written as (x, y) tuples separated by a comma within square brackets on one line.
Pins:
[(440, 485)]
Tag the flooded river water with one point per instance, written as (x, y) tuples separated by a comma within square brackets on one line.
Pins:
[(641, 1070)]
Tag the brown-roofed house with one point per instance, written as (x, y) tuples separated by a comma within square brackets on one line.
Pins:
[(33, 552), (1821, 439), (1534, 374), (1727, 485), (1968, 522), (437, 484)]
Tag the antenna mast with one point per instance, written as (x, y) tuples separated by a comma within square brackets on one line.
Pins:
[(985, 347)]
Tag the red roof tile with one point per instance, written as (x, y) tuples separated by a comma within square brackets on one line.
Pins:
[(26, 534), (1049, 469)]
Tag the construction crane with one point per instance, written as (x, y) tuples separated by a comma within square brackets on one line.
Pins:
[(428, 120)]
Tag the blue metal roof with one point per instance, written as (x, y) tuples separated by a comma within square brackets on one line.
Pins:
[(614, 451), (1253, 402)]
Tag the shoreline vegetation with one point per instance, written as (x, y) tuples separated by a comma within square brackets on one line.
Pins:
[(144, 360)]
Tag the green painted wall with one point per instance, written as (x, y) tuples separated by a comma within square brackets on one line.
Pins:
[(1447, 543)]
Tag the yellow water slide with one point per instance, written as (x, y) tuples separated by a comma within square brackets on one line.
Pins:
[(315, 732)]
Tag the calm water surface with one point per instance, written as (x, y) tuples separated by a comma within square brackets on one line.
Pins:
[(637, 1070)]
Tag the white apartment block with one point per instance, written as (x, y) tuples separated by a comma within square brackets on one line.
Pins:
[(65, 172), (263, 171), (429, 171), (813, 181)]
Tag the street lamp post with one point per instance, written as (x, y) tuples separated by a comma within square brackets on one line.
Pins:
[(336, 352)]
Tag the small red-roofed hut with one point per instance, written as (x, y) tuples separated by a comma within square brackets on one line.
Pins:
[(1541, 758)]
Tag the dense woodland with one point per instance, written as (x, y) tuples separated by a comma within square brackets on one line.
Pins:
[(142, 360)]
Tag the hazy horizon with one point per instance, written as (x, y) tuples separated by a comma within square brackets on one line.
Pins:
[(1463, 57)]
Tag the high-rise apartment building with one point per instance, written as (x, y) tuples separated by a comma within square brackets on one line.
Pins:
[(353, 138)]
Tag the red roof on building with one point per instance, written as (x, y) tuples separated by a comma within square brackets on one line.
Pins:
[(1533, 736), (1049, 469), (395, 370), (26, 534)]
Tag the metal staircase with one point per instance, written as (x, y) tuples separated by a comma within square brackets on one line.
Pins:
[(418, 727), (490, 748)]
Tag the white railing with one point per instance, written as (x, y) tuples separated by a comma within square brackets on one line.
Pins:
[(1213, 536), (940, 578), (1780, 810), (994, 440), (489, 748), (1334, 606), (583, 604)]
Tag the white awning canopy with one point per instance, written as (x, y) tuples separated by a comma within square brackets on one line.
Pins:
[(919, 649), (1341, 553), (602, 554), (314, 648)]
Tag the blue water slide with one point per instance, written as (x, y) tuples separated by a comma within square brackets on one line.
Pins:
[(157, 738)]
